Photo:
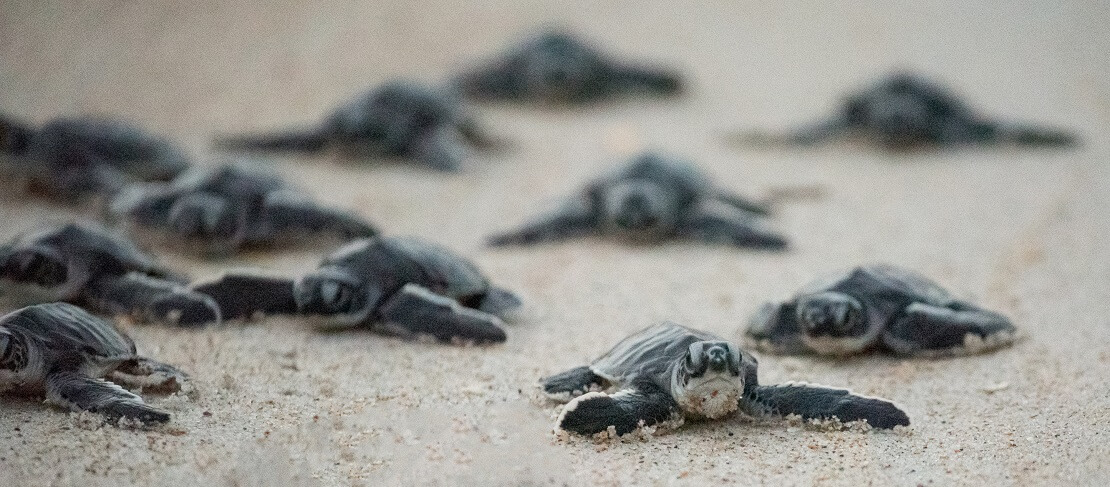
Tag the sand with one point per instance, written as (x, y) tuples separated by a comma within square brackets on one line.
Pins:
[(276, 402)]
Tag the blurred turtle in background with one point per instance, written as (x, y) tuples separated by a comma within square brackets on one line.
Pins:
[(90, 265), (70, 158), (904, 111), (228, 207), (557, 68), (401, 286), (877, 307), (398, 119), (652, 199)]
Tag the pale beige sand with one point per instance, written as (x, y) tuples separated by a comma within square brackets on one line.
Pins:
[(276, 403)]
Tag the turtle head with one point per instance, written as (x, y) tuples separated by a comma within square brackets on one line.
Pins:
[(557, 67), (833, 321), (710, 378), (334, 292), (640, 210)]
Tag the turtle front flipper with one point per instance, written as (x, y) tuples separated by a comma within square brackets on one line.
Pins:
[(742, 203), (285, 211), (308, 140), (154, 299), (150, 374), (82, 393), (641, 404), (501, 303), (812, 134), (715, 227), (821, 403), (633, 78), (241, 296), (574, 218), (415, 311), (774, 329), (574, 382), (958, 329)]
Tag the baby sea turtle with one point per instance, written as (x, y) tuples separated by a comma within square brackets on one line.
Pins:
[(228, 207), (904, 111), (877, 307), (64, 351), (398, 119), (402, 286), (72, 157), (557, 68), (652, 199), (87, 264), (668, 373)]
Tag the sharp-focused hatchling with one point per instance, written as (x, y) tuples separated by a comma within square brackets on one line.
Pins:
[(649, 200), (668, 373), (904, 111), (229, 207), (877, 307), (398, 119), (402, 286), (69, 158), (558, 68), (65, 352), (90, 265)]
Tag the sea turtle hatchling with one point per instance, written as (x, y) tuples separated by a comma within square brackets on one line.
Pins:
[(904, 111), (68, 158), (401, 286), (877, 307), (90, 265), (398, 119), (64, 351), (668, 373), (649, 200), (558, 68), (228, 207)]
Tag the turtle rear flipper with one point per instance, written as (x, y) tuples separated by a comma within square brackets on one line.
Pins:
[(642, 404), (819, 402), (150, 374), (415, 311), (961, 328), (574, 382), (82, 393), (241, 296), (712, 226), (574, 218), (285, 211)]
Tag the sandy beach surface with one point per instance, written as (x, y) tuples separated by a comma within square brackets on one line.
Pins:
[(279, 403)]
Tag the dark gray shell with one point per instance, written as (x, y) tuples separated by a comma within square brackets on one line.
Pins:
[(651, 352), (402, 260), (93, 250), (882, 282), (65, 328), (393, 117)]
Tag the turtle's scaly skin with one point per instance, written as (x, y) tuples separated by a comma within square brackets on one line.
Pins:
[(64, 352), (87, 264), (904, 111), (398, 119), (557, 68), (877, 307), (668, 372), (229, 207), (69, 158), (397, 285), (652, 199)]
